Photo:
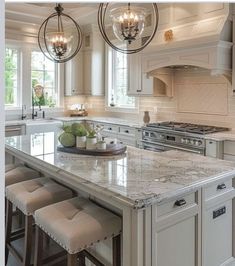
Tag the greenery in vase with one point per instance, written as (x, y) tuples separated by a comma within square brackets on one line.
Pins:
[(78, 130), (91, 134)]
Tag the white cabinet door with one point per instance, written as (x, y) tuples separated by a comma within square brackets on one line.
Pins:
[(139, 83), (176, 244), (175, 233), (74, 76), (217, 224)]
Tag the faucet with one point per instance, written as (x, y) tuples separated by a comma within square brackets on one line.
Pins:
[(34, 113), (23, 115)]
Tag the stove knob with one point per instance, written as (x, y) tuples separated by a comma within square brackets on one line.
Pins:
[(161, 136), (199, 143), (186, 141), (196, 143), (182, 140)]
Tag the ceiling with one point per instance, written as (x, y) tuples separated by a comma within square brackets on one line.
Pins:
[(31, 15)]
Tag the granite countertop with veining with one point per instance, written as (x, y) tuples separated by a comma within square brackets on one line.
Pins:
[(112, 120), (139, 177), (222, 136)]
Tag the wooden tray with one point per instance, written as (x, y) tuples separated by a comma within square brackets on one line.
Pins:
[(112, 149)]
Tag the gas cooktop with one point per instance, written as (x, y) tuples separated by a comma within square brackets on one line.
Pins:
[(187, 127)]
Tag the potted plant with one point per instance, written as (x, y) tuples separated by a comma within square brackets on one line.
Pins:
[(80, 133), (91, 140)]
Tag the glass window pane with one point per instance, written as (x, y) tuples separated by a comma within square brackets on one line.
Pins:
[(43, 73), (11, 76)]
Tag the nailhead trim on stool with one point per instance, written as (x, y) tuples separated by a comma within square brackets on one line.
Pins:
[(77, 224), (28, 196)]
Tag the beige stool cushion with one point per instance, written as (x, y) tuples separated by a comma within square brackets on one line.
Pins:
[(33, 194), (10, 166), (77, 223), (19, 174)]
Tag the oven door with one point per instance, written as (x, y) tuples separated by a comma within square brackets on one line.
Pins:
[(153, 147)]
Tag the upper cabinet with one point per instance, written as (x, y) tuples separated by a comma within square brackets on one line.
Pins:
[(94, 54), (155, 83), (84, 74), (74, 76)]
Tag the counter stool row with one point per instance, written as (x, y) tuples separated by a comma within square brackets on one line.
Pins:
[(75, 223)]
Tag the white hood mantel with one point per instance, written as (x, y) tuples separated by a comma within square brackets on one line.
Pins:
[(204, 42)]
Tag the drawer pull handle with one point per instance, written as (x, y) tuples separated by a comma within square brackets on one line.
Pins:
[(180, 202), (138, 90), (109, 128), (126, 131), (221, 186)]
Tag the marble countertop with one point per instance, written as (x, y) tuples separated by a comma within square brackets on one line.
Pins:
[(139, 177), (222, 136), (111, 120), (30, 122)]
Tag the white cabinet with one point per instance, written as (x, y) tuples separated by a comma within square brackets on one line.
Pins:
[(175, 232), (93, 61), (214, 148), (74, 76), (229, 150), (124, 134), (155, 83), (217, 224)]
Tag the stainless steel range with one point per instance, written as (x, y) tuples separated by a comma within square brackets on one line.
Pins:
[(175, 135)]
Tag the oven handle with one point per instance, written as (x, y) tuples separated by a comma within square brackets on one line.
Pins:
[(176, 148)]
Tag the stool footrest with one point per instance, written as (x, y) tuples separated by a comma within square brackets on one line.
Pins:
[(91, 258)]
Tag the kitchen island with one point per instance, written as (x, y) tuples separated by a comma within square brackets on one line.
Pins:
[(176, 206)]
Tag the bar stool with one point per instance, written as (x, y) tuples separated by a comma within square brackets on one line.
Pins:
[(77, 224), (18, 174), (29, 196), (10, 166)]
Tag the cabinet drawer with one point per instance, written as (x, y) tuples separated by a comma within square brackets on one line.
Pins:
[(218, 188), (229, 147), (127, 131), (175, 205), (111, 128), (130, 141)]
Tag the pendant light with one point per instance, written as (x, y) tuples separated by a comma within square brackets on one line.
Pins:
[(125, 27), (59, 37)]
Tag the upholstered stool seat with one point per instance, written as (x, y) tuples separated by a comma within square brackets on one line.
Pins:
[(10, 166), (28, 196), (77, 224), (19, 174)]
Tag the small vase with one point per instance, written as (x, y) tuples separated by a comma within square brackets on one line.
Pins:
[(81, 142), (91, 143), (101, 145), (146, 117)]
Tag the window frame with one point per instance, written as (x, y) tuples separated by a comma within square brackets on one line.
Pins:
[(25, 92), (58, 103), (109, 85)]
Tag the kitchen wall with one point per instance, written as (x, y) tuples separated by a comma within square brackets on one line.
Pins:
[(198, 97)]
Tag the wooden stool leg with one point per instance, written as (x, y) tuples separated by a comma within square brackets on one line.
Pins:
[(81, 259), (117, 250), (71, 259), (8, 228), (38, 247), (28, 240)]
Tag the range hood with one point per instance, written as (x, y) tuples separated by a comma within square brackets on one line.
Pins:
[(204, 43)]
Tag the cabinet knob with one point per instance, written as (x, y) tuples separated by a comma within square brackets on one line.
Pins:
[(109, 128), (138, 90), (180, 202), (221, 186), (126, 131)]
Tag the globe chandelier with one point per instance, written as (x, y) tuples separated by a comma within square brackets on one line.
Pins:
[(123, 25), (59, 37)]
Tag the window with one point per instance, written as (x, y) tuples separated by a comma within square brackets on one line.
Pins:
[(43, 77), (11, 77), (117, 81)]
